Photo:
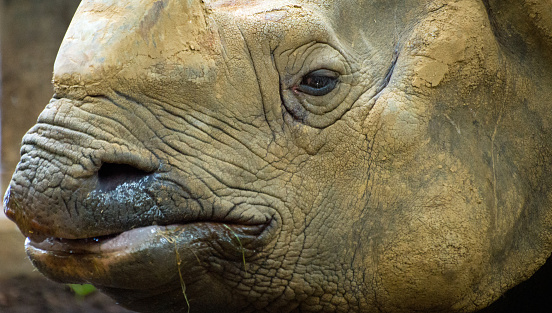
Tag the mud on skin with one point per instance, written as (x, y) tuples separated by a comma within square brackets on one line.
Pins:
[(294, 156)]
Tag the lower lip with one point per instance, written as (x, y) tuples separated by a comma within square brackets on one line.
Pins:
[(142, 258)]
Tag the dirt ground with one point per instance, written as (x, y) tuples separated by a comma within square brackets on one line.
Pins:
[(38, 295)]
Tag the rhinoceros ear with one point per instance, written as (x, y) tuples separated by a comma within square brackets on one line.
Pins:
[(521, 22)]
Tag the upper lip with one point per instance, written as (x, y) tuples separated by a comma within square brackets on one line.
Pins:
[(98, 215)]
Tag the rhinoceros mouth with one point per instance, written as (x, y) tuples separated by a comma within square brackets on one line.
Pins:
[(150, 257), (132, 240)]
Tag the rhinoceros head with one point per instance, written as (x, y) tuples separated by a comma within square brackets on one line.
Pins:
[(307, 156)]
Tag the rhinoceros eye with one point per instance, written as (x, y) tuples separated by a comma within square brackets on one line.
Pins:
[(318, 83)]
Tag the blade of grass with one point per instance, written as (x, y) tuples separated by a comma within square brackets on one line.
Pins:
[(178, 263), (239, 242), (82, 290)]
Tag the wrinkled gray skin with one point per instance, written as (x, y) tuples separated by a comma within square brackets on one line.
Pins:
[(183, 159)]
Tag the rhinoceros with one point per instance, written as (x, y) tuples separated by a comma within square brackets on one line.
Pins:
[(294, 156)]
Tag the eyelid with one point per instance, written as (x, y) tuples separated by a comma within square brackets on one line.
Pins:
[(324, 72)]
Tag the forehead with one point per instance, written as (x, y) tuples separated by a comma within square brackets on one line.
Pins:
[(251, 6), (273, 21), (272, 10), (293, 20)]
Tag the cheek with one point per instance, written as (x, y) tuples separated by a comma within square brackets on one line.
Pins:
[(436, 251)]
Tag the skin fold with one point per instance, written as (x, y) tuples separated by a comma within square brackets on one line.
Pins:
[(294, 156)]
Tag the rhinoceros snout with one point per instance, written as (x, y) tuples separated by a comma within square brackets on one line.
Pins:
[(77, 207), (69, 171), (98, 205)]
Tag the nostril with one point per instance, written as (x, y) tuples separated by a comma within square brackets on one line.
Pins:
[(112, 175)]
